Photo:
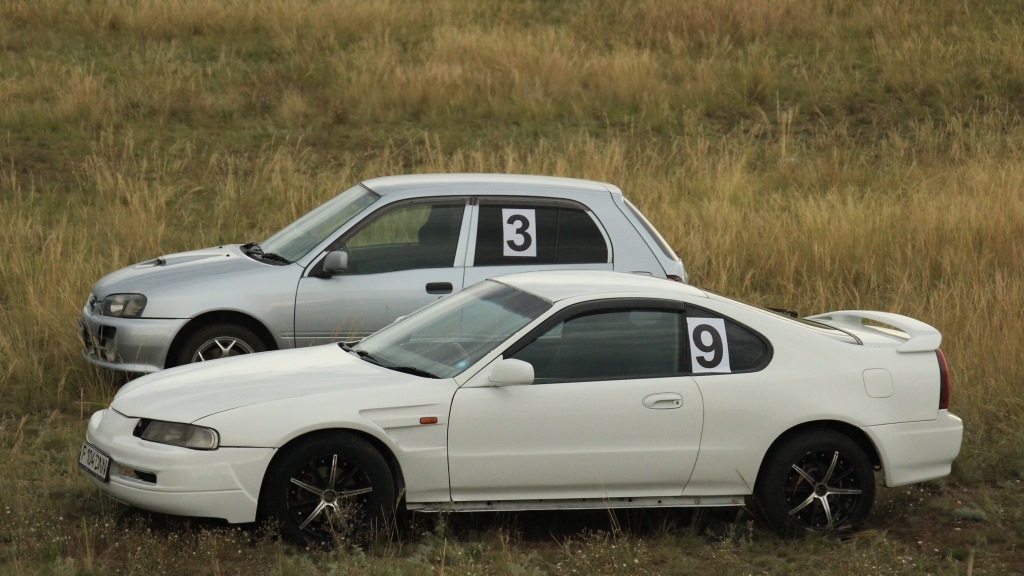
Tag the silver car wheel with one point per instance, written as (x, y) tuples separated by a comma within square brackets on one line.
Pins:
[(213, 341), (221, 347)]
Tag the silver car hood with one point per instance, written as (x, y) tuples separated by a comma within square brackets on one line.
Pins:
[(188, 393), (165, 271)]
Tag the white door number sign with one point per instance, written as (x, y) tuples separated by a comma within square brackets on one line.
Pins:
[(520, 232), (709, 349)]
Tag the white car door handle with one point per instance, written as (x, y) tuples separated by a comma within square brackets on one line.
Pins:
[(663, 401)]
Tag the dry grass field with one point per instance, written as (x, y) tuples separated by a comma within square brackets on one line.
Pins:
[(818, 155)]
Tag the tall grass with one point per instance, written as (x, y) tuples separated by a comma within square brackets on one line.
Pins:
[(813, 155)]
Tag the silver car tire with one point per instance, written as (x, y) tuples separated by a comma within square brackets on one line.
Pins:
[(219, 341), (820, 481)]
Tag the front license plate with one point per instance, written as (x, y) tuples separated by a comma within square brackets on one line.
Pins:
[(94, 462)]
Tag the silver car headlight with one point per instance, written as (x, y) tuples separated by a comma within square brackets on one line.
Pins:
[(123, 305), (178, 434)]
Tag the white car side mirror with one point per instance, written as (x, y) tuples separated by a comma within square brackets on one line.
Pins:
[(511, 372)]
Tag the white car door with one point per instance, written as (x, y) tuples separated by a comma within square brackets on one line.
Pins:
[(398, 261), (610, 414)]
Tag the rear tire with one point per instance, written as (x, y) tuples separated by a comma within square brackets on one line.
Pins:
[(219, 340), (330, 487), (819, 481)]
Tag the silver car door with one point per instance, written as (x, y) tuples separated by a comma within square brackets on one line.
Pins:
[(401, 259)]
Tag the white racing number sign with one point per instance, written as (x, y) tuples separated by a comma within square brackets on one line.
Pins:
[(520, 232), (709, 348)]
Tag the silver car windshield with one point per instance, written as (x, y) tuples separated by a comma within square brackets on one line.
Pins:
[(296, 239), (444, 339)]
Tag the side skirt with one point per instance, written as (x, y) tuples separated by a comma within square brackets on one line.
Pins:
[(575, 504)]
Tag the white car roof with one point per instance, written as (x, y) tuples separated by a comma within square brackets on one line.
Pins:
[(483, 183), (560, 284)]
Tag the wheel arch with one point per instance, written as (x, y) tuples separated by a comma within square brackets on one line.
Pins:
[(852, 432), (213, 317), (377, 443)]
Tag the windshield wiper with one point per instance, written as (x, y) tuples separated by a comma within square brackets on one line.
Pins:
[(405, 369), (254, 249), (368, 357), (274, 257), (413, 371)]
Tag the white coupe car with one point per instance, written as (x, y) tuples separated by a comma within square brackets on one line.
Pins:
[(544, 390)]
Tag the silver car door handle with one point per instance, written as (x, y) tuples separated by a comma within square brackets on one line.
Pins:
[(439, 288), (663, 401)]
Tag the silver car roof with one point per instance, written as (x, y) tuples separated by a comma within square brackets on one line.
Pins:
[(484, 183)]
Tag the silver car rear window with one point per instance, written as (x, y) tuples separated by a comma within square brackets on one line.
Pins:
[(651, 231)]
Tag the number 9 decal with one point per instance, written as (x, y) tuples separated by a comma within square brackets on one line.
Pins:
[(519, 230), (709, 347)]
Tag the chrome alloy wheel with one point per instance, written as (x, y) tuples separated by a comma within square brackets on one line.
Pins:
[(221, 347)]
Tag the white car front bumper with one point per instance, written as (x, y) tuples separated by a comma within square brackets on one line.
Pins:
[(223, 483)]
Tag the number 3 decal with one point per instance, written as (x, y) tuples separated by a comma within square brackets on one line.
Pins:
[(519, 229), (709, 348)]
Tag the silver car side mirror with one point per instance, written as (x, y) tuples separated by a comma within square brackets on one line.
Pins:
[(336, 262), (511, 372)]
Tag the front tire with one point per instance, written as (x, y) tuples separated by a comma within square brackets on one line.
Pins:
[(820, 481), (219, 341), (328, 487)]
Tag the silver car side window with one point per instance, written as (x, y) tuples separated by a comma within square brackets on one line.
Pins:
[(521, 233), (410, 236)]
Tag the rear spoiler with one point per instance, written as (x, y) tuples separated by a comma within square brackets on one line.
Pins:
[(922, 337)]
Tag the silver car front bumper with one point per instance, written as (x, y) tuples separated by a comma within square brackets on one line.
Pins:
[(137, 345)]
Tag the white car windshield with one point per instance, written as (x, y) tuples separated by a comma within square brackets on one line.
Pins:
[(444, 339), (296, 239)]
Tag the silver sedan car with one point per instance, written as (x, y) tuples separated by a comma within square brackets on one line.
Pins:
[(375, 252)]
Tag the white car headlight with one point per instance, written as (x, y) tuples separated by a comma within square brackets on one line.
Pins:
[(123, 305), (178, 434)]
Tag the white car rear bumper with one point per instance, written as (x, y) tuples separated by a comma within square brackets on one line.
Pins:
[(918, 451)]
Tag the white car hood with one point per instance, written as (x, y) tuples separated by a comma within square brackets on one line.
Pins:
[(188, 393)]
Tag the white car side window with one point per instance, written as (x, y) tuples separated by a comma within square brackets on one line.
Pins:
[(612, 344), (719, 345)]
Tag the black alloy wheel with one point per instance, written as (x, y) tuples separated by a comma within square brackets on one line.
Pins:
[(330, 487), (820, 481)]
